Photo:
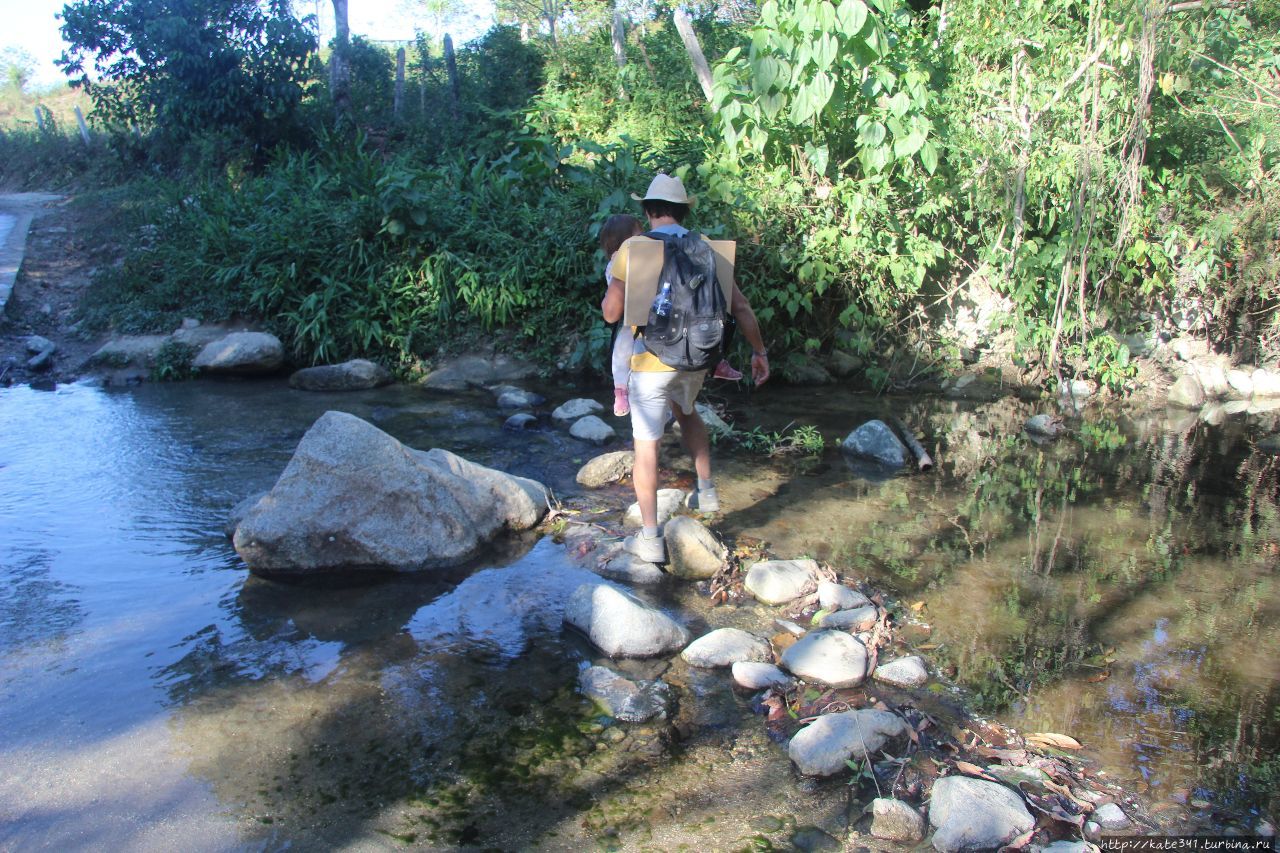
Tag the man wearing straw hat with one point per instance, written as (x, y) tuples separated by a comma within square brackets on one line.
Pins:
[(657, 390)]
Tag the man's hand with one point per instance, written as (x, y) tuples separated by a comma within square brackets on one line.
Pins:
[(759, 367)]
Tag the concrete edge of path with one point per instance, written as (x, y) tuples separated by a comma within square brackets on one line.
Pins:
[(23, 208)]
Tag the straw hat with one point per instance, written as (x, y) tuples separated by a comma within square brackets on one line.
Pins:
[(665, 188)]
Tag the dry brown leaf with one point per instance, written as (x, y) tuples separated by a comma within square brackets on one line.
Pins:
[(1054, 740), (1101, 676), (1021, 841), (917, 607), (1010, 756), (927, 647), (973, 770)]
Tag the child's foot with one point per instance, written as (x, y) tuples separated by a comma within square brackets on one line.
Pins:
[(725, 370), (621, 405)]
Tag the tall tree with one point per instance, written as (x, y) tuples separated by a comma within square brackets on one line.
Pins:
[(340, 64), (693, 47), (535, 13)]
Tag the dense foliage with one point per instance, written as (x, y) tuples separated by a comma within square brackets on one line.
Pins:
[(1091, 168)]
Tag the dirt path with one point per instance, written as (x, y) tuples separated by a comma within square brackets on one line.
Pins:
[(60, 260)]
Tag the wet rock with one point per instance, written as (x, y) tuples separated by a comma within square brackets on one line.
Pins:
[(835, 596), (592, 429), (894, 820), (1266, 383), (1235, 407), (606, 468), (520, 421), (241, 354), (354, 498), (355, 375), (1111, 817), (36, 345), (693, 552), (800, 369), (517, 398), (842, 364), (1186, 393), (903, 672), (41, 361), (1066, 847), (574, 409), (1048, 426), (616, 564), (725, 647), (858, 619), (874, 440), (823, 747), (239, 511), (1241, 383), (1078, 389), (194, 334), (1211, 371), (811, 839), (1213, 414), (832, 657), (754, 675), (621, 625), (474, 371), (973, 814), (780, 581), (669, 500), (131, 350), (624, 699), (1188, 349)]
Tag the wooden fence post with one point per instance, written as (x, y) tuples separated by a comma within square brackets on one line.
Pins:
[(84, 128)]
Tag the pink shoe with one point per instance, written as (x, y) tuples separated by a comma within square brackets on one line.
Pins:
[(724, 370), (621, 405)]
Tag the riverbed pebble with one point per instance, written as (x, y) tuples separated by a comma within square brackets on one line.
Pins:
[(606, 468), (835, 596), (780, 581), (1111, 817), (904, 672), (518, 398), (693, 552), (754, 675), (624, 699), (894, 820), (725, 647), (669, 500), (973, 814), (574, 409), (831, 657), (592, 429), (36, 345), (858, 619), (823, 747), (621, 625), (520, 421)]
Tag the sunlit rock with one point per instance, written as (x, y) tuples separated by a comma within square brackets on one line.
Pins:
[(755, 675), (835, 596), (355, 375), (354, 498), (1186, 393), (973, 814), (831, 657), (894, 820), (780, 581), (606, 468), (725, 647), (693, 552), (823, 747), (904, 672), (669, 500), (621, 625), (624, 699), (857, 619), (573, 409), (241, 354)]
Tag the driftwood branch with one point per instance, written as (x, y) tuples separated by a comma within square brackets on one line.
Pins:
[(923, 460)]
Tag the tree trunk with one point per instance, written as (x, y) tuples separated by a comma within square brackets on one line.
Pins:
[(397, 102), (619, 50), (451, 64), (340, 65), (700, 68)]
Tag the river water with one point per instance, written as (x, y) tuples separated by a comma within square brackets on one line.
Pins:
[(1118, 586)]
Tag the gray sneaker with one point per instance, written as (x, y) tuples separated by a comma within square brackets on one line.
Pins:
[(650, 550), (703, 500)]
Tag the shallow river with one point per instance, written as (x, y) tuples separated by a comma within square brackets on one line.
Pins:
[(1118, 586)]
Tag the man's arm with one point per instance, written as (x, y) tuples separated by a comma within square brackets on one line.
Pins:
[(612, 305), (740, 308)]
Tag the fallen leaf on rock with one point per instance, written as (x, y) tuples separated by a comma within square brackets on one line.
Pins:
[(782, 642), (1054, 740), (1101, 676), (1011, 756), (917, 607), (974, 770), (1055, 807), (1021, 841)]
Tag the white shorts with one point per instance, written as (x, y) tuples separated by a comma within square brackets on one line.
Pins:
[(651, 396)]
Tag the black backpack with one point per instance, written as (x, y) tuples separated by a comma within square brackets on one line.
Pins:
[(688, 318)]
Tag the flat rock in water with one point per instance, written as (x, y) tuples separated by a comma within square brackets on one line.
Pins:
[(903, 672), (1186, 393), (241, 354), (1049, 426), (474, 371), (715, 424), (1266, 383), (1111, 817), (356, 375), (574, 409), (621, 625), (517, 398), (136, 350), (592, 429), (624, 699), (754, 675), (693, 552), (832, 657), (1241, 383), (894, 820), (669, 500), (619, 565), (973, 814), (823, 747), (354, 498), (858, 619), (520, 421), (780, 581), (875, 441), (36, 345), (725, 647), (835, 596), (606, 468)]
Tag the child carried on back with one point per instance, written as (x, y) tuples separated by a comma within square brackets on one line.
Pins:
[(615, 231)]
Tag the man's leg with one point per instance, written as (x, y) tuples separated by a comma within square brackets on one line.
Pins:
[(648, 399), (693, 435), (645, 479)]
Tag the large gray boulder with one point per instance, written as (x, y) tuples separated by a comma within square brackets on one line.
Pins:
[(624, 699), (823, 747), (780, 581), (832, 657), (874, 440), (725, 647), (621, 625), (130, 350), (693, 552), (354, 498), (973, 814), (1187, 393), (571, 410), (592, 429), (474, 371), (241, 354), (356, 375)]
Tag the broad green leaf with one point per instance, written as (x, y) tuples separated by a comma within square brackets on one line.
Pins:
[(825, 50), (904, 147), (772, 104), (817, 156), (825, 15), (929, 156), (765, 72), (851, 15), (899, 104), (872, 135), (769, 13)]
